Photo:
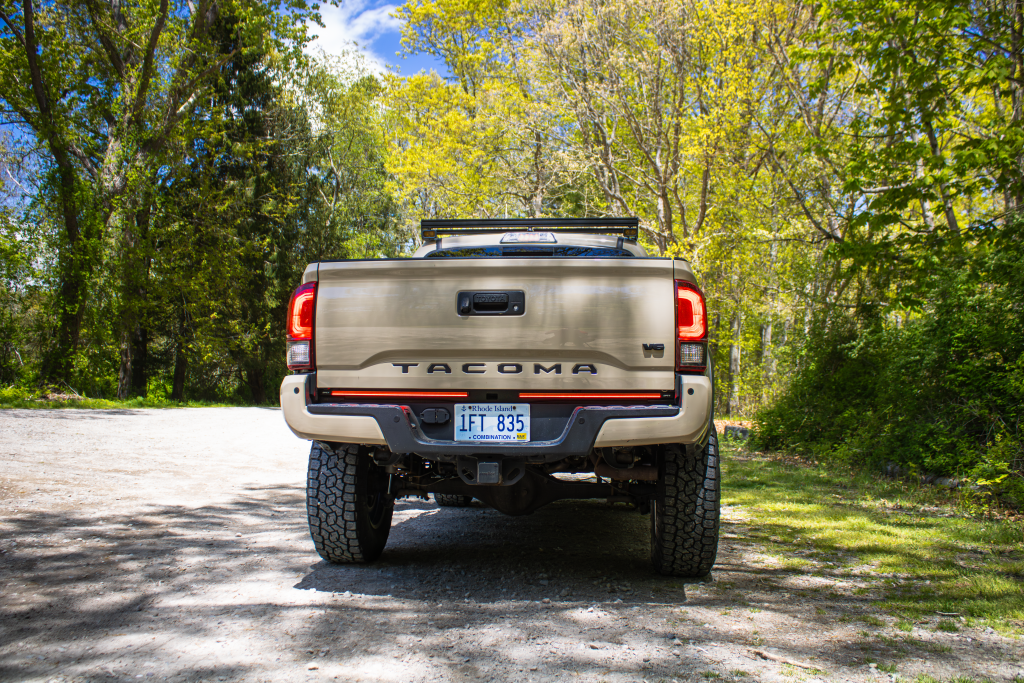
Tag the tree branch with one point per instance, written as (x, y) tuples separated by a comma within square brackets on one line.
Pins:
[(14, 29), (32, 53), (147, 64), (105, 42)]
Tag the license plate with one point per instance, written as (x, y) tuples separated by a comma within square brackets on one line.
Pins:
[(492, 422)]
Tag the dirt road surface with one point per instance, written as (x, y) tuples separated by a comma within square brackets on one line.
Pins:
[(172, 545)]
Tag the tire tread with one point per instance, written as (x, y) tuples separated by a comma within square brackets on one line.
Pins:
[(685, 518), (331, 505)]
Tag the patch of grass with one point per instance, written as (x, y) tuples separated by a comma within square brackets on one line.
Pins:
[(739, 673), (919, 551), (872, 620), (936, 648), (904, 625), (891, 642), (925, 678), (16, 397), (887, 668), (710, 674), (947, 626)]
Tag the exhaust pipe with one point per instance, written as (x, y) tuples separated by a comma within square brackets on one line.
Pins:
[(639, 472)]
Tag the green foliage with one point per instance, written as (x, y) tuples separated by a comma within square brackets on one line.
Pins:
[(18, 397), (16, 256), (939, 389), (922, 366), (178, 188), (839, 175)]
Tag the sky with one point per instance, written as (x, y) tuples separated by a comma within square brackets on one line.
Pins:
[(369, 24)]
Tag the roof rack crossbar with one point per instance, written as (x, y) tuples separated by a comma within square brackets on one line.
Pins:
[(431, 229)]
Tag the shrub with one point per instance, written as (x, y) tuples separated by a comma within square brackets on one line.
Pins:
[(939, 388)]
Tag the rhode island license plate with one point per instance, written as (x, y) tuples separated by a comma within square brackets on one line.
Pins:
[(492, 422)]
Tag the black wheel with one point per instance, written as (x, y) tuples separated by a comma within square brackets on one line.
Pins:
[(452, 500), (347, 503), (685, 511)]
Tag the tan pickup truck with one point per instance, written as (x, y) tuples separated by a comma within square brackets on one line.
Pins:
[(518, 362)]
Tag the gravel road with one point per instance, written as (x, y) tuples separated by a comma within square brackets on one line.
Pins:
[(172, 545)]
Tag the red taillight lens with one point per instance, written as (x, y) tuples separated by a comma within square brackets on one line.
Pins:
[(300, 312), (691, 315), (691, 327)]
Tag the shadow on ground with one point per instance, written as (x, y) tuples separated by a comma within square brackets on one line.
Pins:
[(235, 591)]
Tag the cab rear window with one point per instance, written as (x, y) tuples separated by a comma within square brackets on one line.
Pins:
[(531, 251)]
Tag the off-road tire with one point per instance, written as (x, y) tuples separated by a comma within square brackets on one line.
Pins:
[(347, 504), (452, 500), (685, 511)]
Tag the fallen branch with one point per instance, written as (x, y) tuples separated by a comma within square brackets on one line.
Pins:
[(782, 660)]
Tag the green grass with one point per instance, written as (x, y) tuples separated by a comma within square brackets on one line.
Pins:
[(916, 547), (14, 397)]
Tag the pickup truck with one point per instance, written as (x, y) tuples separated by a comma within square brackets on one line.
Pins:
[(517, 362)]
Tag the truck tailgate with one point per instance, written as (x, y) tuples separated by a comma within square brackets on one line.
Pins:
[(395, 324)]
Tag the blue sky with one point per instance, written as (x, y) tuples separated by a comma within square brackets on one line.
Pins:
[(369, 24)]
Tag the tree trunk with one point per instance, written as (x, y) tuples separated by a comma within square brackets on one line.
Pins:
[(124, 372), (140, 364), (73, 260), (254, 379), (132, 376), (180, 359), (734, 365), (73, 266), (180, 365), (714, 334), (1017, 95), (767, 360)]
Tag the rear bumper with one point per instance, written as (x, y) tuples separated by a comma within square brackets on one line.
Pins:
[(396, 427)]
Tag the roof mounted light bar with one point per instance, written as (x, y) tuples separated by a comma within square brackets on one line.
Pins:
[(629, 228)]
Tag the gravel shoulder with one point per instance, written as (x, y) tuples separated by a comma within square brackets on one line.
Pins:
[(172, 545)]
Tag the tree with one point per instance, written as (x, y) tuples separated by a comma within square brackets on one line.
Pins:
[(105, 87), (938, 142)]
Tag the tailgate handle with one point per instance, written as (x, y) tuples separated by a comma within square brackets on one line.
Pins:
[(488, 302), (491, 303)]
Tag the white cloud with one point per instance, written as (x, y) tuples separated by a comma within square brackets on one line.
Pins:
[(354, 22)]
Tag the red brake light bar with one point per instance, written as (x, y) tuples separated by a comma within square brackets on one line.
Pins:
[(611, 396), (401, 394)]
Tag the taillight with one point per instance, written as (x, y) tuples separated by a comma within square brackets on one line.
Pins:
[(301, 311), (691, 327)]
